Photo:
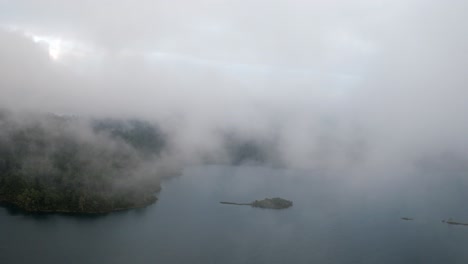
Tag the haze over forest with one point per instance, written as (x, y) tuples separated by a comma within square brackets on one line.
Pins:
[(350, 86)]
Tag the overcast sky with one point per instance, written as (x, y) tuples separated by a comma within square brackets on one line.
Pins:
[(390, 71)]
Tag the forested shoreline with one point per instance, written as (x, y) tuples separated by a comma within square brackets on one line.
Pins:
[(52, 163)]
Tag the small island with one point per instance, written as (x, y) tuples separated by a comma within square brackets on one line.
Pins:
[(267, 203)]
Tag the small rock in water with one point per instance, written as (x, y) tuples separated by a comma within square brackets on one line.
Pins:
[(407, 219)]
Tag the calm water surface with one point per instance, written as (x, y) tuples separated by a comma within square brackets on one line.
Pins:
[(332, 221)]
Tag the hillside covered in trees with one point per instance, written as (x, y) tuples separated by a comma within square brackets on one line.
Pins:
[(53, 163)]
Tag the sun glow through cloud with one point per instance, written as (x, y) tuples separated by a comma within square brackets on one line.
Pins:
[(58, 48), (54, 50), (54, 45)]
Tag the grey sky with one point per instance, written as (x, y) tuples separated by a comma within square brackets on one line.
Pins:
[(393, 70)]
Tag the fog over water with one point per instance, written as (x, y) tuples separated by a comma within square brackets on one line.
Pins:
[(355, 110)]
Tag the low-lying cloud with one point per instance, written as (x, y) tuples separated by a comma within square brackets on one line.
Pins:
[(335, 84)]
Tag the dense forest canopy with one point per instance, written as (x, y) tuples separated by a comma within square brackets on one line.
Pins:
[(62, 163)]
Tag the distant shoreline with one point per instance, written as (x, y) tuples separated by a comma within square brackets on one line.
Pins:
[(6, 202)]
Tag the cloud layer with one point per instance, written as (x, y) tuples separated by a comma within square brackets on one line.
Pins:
[(335, 83)]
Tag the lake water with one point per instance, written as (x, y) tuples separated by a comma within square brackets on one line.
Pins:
[(332, 221)]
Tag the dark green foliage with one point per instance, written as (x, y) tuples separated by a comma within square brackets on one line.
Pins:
[(141, 135), (242, 150), (273, 203), (46, 165)]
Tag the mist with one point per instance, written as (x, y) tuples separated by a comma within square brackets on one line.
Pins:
[(355, 87), (125, 123)]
